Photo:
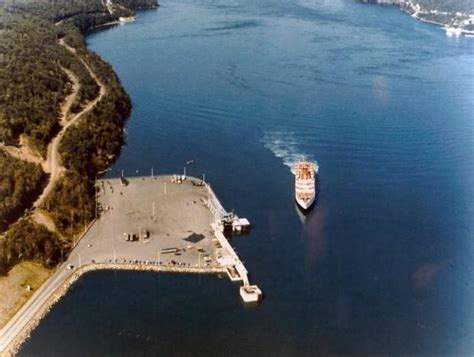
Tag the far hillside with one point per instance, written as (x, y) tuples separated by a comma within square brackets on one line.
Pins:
[(466, 6), (451, 13)]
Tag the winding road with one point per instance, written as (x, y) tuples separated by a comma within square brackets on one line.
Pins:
[(52, 166)]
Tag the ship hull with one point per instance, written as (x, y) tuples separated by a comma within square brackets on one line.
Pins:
[(305, 206)]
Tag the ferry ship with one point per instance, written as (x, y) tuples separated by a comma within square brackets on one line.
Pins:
[(305, 183)]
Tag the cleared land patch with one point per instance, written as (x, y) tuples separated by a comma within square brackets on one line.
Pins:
[(13, 288)]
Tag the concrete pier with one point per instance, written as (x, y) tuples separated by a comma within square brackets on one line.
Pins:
[(143, 223)]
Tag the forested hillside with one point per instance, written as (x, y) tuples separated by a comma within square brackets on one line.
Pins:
[(88, 148), (466, 6), (19, 181), (33, 86), (136, 4), (451, 13), (27, 240)]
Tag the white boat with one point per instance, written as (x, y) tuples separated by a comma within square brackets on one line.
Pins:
[(453, 31), (126, 19), (250, 293), (305, 183)]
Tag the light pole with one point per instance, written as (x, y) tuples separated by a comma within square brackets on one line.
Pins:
[(153, 209), (96, 196)]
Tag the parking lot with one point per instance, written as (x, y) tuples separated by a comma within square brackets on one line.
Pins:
[(149, 220)]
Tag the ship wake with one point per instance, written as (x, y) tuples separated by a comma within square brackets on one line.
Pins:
[(286, 146)]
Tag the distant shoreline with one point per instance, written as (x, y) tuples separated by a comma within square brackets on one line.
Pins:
[(443, 26), (414, 10), (120, 21)]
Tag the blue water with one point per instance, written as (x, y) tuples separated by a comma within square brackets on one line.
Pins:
[(384, 264)]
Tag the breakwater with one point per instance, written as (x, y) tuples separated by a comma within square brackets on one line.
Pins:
[(14, 345), (156, 223)]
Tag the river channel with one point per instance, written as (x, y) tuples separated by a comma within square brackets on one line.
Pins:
[(383, 265)]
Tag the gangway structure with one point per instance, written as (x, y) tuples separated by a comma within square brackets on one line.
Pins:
[(236, 271), (224, 220), (214, 205)]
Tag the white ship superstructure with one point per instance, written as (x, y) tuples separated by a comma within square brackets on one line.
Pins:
[(305, 183)]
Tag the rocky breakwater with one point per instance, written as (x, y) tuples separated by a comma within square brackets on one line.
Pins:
[(15, 344)]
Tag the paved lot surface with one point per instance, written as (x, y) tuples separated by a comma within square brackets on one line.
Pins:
[(174, 216)]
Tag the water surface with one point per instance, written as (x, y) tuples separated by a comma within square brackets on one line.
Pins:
[(384, 263)]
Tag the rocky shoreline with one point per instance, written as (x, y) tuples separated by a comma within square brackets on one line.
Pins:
[(456, 23), (15, 345), (450, 27)]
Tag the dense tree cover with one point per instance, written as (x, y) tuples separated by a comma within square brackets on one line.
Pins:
[(89, 88), (444, 12), (32, 87), (137, 4), (466, 6), (20, 182), (27, 240), (447, 12), (89, 147), (32, 84), (55, 10), (71, 204), (451, 6)]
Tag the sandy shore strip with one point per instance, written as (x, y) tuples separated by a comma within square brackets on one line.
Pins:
[(15, 345)]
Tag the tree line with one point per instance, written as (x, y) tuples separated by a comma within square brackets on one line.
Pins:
[(27, 240), (20, 182), (33, 86)]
